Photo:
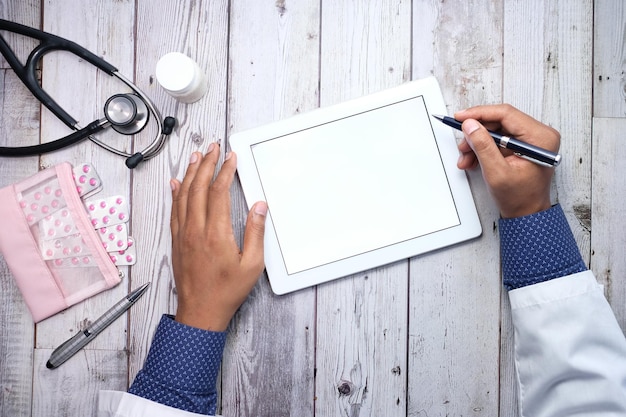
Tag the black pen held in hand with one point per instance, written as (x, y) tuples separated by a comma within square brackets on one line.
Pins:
[(80, 340), (522, 149)]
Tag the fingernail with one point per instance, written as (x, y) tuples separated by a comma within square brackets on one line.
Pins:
[(260, 208), (173, 185), (211, 147), (228, 155), (194, 158), (470, 126)]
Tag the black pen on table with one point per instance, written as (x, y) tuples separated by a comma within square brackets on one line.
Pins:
[(522, 149), (80, 340)]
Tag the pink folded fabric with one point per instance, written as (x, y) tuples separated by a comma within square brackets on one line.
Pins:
[(49, 244)]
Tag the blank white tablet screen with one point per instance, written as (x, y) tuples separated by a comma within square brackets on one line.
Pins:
[(351, 186)]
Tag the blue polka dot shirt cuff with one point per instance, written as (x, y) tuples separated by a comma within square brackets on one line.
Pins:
[(537, 248), (182, 367)]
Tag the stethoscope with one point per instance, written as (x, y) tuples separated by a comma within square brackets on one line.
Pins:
[(126, 113)]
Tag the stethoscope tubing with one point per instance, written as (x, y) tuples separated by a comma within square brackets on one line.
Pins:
[(27, 74)]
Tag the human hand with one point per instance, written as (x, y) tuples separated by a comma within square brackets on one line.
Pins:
[(213, 277), (518, 186)]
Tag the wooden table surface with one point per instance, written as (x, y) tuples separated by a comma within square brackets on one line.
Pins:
[(427, 336)]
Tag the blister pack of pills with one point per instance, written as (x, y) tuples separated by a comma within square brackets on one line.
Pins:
[(58, 252), (60, 240)]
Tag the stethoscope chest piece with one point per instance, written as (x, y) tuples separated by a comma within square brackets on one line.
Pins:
[(127, 113)]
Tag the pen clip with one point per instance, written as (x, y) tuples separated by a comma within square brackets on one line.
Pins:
[(531, 159)]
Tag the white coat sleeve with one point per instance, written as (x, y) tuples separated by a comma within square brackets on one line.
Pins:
[(123, 404), (570, 353)]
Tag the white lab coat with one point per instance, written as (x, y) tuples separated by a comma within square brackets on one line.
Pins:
[(570, 355)]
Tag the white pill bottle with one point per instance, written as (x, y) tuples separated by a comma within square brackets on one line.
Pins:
[(181, 77)]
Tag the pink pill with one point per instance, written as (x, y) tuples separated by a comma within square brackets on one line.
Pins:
[(34, 207), (103, 204), (86, 168), (120, 243), (67, 228), (66, 251), (58, 262), (51, 232), (119, 227), (94, 222), (82, 179), (105, 220), (85, 260), (45, 209), (103, 230), (79, 189), (23, 204), (111, 236), (58, 193), (29, 218), (75, 261), (57, 222), (77, 249), (49, 252), (55, 203), (113, 258), (112, 210), (130, 243), (37, 196), (129, 258), (121, 216), (47, 190), (65, 213), (105, 245), (91, 207), (93, 182), (118, 201)]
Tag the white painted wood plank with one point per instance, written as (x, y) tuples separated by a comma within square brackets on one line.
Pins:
[(26, 12), (82, 91), (454, 293), (551, 81), (73, 390), (608, 239), (19, 117), (269, 361), (609, 53), (200, 31), (19, 125), (362, 319)]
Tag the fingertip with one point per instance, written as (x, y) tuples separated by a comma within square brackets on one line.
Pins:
[(174, 184), (260, 208), (470, 126)]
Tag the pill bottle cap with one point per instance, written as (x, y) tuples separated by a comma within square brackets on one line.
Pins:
[(176, 72)]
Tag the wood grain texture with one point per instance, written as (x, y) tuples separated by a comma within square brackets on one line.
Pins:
[(429, 336), (73, 390), (607, 213), (362, 319), (19, 113), (199, 30), (19, 124), (273, 74), (454, 294), (609, 64), (551, 81)]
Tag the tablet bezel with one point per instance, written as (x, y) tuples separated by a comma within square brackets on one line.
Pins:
[(242, 144)]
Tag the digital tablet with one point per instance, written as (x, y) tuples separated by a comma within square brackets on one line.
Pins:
[(356, 185)]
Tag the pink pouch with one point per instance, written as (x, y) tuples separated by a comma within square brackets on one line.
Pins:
[(53, 270)]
